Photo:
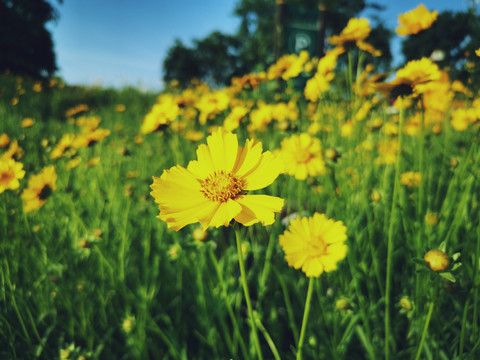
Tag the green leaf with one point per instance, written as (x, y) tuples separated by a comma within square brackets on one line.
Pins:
[(448, 276), (456, 256)]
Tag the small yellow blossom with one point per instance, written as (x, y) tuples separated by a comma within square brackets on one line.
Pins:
[(27, 122), (4, 140), (436, 260), (416, 20), (410, 178)]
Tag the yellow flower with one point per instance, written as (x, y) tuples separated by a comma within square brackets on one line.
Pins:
[(211, 104), (40, 187), (65, 145), (357, 29), (436, 260), (194, 135), (213, 189), (91, 138), (76, 110), (27, 122), (412, 78), (288, 66), (120, 108), (314, 244), (162, 113), (10, 172), (232, 121), (37, 87), (410, 178), (13, 152), (477, 52), (4, 140), (72, 164), (416, 20), (461, 118), (302, 156)]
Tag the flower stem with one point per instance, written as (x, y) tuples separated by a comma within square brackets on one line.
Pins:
[(425, 330), (390, 245), (305, 317), (246, 292)]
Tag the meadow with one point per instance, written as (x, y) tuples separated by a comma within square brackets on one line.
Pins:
[(89, 271)]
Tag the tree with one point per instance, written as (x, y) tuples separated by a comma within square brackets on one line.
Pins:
[(255, 45), (25, 44)]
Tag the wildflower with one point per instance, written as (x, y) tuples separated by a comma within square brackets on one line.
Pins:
[(412, 78), (375, 195), (314, 244), (431, 218), (320, 82), (354, 33), (410, 178), (211, 104), (76, 110), (128, 323), (10, 172), (13, 152), (4, 140), (120, 108), (72, 164), (477, 52), (416, 20), (232, 121), (40, 187), (288, 66), (37, 87), (162, 113), (199, 234), (405, 303), (436, 260), (64, 147), (213, 189), (302, 156), (342, 304), (90, 138), (27, 122), (461, 118), (193, 135)]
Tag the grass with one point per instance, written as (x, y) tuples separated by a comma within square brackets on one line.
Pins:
[(94, 274)]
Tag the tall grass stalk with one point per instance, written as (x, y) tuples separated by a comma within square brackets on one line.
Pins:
[(305, 318), (246, 292), (390, 243)]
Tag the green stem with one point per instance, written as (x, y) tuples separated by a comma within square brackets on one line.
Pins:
[(233, 319), (462, 332), (390, 245), (246, 292), (425, 330), (305, 318)]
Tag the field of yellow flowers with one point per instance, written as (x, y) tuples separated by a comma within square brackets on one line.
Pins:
[(316, 210)]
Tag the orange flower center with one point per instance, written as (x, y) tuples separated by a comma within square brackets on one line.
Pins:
[(6, 176), (221, 186), (303, 156)]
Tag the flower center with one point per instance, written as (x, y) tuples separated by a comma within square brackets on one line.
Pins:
[(6, 177), (303, 156), (318, 247), (45, 193), (221, 186)]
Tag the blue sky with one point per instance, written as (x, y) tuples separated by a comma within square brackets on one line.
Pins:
[(120, 42)]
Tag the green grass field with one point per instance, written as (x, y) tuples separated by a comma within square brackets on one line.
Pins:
[(94, 274)]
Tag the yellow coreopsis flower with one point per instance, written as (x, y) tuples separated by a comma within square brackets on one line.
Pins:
[(357, 29), (64, 146), (163, 112), (416, 20), (27, 122), (213, 189), (302, 156), (462, 118), (4, 140), (10, 172), (40, 187), (288, 66), (315, 244), (412, 78), (410, 178)]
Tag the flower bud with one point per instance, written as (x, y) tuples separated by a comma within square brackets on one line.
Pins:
[(436, 260)]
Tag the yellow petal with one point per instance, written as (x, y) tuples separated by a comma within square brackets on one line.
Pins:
[(225, 213), (223, 150), (257, 208), (265, 173)]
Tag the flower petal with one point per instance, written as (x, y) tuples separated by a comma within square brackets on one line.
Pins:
[(225, 213), (257, 208)]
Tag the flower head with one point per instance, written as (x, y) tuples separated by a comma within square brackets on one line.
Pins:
[(436, 260), (213, 189), (302, 156), (416, 20), (40, 187), (10, 172), (314, 244)]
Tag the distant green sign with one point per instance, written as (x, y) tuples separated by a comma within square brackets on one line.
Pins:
[(300, 30)]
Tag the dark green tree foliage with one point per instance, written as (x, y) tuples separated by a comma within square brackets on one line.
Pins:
[(182, 64), (218, 57), (454, 34), (26, 45)]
